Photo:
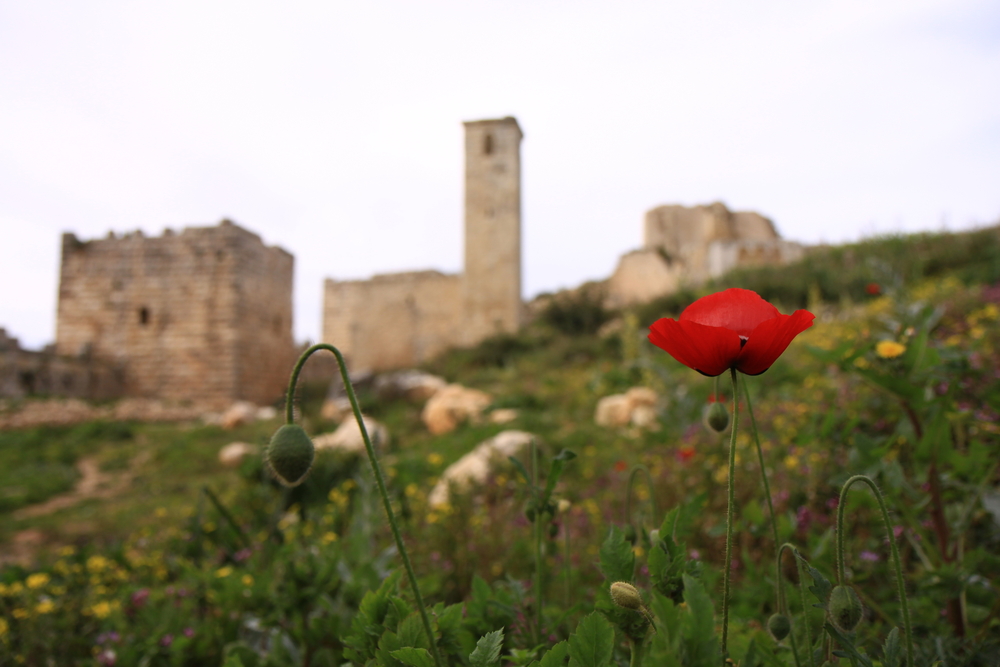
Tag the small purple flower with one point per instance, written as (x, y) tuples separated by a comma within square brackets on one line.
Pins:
[(242, 555), (166, 641), (897, 531), (694, 554), (139, 597), (189, 632), (869, 556)]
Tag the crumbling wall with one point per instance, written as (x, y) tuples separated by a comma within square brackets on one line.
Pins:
[(393, 321), (203, 315)]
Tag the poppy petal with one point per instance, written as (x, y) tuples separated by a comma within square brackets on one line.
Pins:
[(766, 343), (739, 310), (709, 350)]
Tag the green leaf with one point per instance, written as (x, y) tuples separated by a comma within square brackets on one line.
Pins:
[(554, 473), (821, 585), (556, 656), (617, 558), (521, 469), (847, 646), (700, 641), (233, 661), (414, 657), (892, 651), (487, 653), (593, 642)]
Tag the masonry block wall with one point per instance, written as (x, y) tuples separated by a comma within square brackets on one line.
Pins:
[(202, 315), (398, 320)]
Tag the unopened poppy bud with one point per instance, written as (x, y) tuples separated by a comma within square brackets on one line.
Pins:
[(845, 608), (290, 454), (717, 417), (630, 534), (626, 595), (779, 626)]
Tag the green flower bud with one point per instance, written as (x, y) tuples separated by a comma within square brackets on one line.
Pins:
[(630, 534), (290, 454), (716, 417), (845, 608), (626, 595), (779, 626)]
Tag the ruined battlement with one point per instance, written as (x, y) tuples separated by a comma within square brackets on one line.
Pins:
[(402, 319), (203, 315)]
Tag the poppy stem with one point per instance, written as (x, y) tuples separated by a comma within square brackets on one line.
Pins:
[(727, 564), (841, 565), (379, 480)]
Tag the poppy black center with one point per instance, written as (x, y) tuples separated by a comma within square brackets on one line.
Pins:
[(743, 341)]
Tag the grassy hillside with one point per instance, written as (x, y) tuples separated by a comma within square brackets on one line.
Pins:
[(923, 424)]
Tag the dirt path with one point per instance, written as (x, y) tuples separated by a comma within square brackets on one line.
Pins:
[(93, 483)]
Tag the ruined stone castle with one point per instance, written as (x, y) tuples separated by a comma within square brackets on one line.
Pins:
[(403, 319), (203, 315)]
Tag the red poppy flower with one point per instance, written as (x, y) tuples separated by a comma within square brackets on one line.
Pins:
[(735, 328)]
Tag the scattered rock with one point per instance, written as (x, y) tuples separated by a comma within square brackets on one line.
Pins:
[(347, 437), (503, 416), (637, 406), (266, 413), (476, 466), (233, 454), (238, 414), (453, 405), (413, 385)]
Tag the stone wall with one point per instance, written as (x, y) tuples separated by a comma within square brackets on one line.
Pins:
[(689, 245), (201, 315), (392, 321), (45, 373), (400, 320)]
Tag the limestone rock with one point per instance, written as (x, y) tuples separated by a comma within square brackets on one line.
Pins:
[(453, 405), (503, 416), (233, 454), (475, 467), (637, 406), (413, 385), (239, 413), (347, 437)]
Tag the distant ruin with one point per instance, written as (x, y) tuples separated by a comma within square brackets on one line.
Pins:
[(204, 315), (685, 246), (402, 319)]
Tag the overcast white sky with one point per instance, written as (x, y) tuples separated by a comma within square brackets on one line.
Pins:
[(333, 129)]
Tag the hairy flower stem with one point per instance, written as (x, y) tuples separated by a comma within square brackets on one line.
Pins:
[(538, 546), (635, 659), (727, 566), (379, 479), (783, 601), (805, 612), (900, 583), (763, 473)]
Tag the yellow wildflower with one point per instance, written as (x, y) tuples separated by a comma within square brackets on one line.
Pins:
[(21, 613), (435, 459), (329, 537), (224, 572), (3, 627), (101, 609), (37, 580), (45, 607), (889, 349), (247, 580), (97, 563)]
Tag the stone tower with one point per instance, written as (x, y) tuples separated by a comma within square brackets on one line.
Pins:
[(202, 315), (492, 278)]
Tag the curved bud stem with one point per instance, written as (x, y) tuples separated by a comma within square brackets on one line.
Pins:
[(900, 583), (727, 563), (379, 479)]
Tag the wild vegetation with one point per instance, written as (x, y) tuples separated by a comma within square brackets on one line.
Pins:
[(604, 547)]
